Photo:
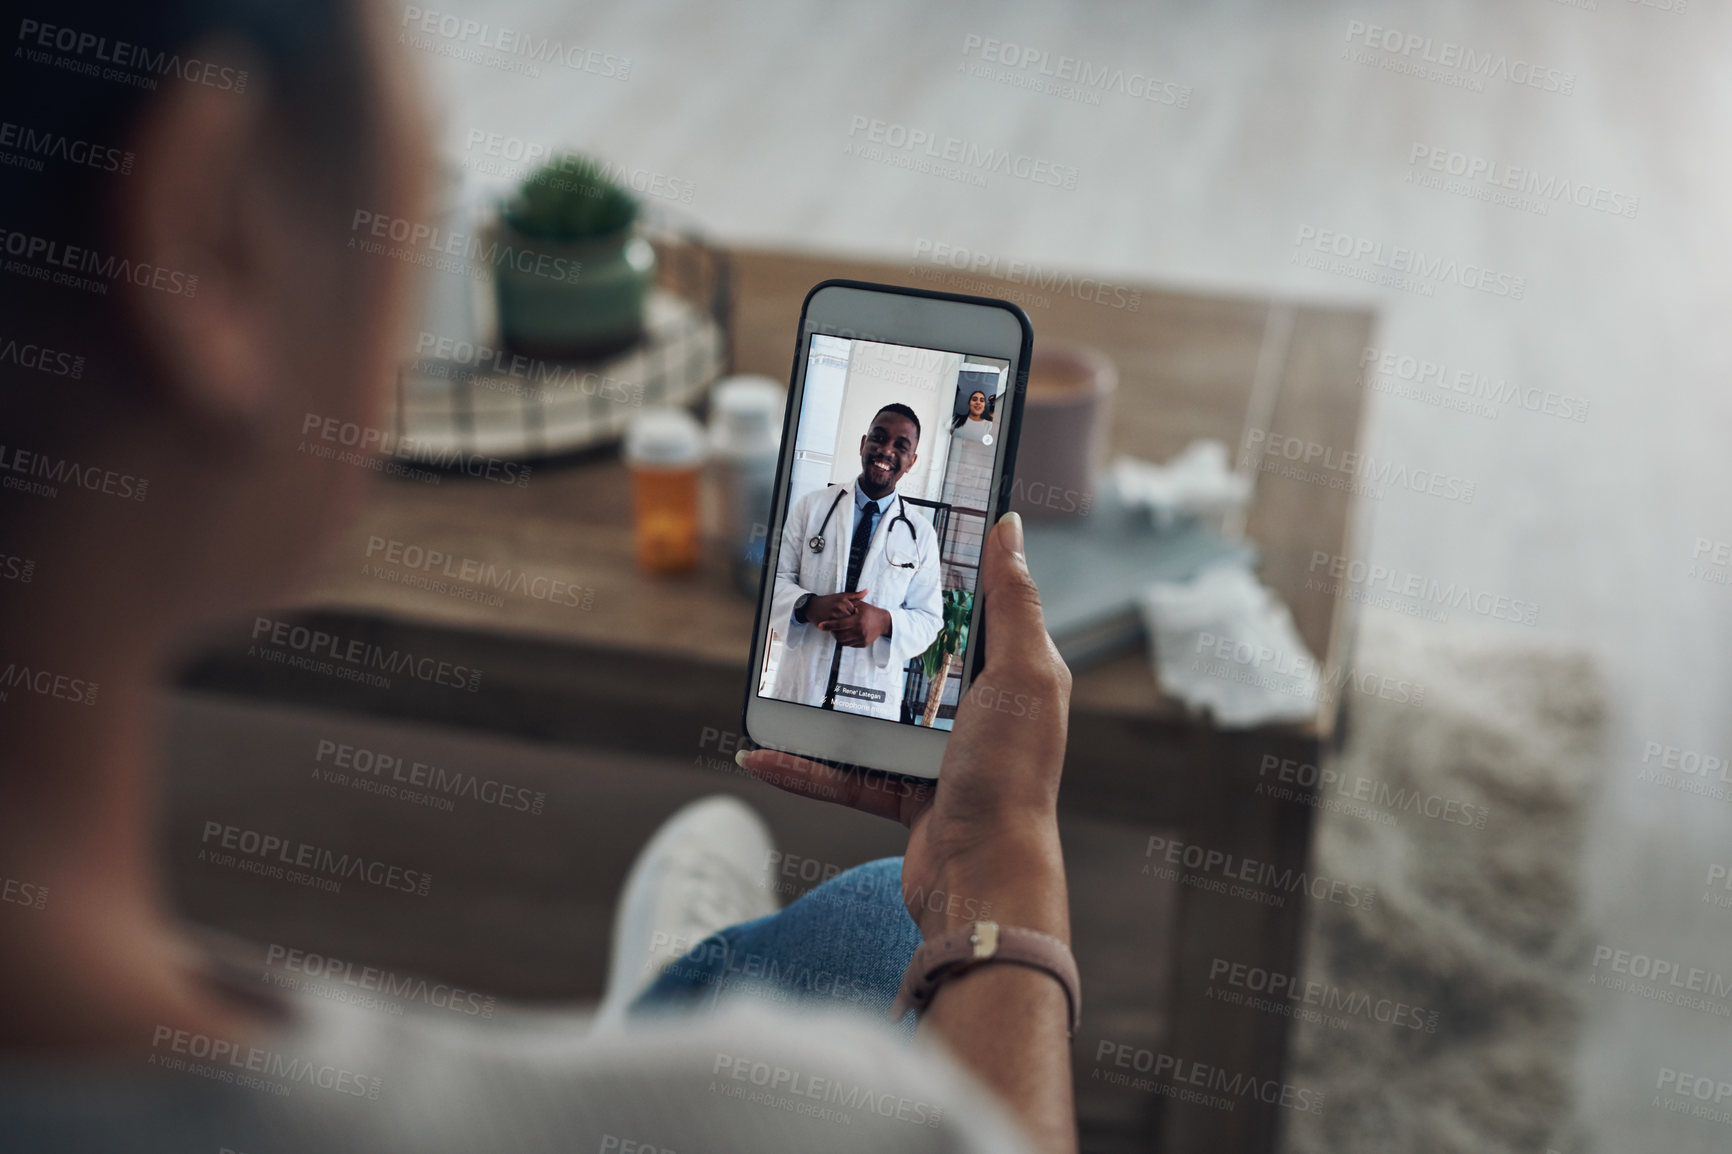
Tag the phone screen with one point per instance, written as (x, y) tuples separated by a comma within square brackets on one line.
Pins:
[(878, 559)]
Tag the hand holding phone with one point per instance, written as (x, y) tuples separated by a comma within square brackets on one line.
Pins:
[(899, 443), (983, 843), (984, 840)]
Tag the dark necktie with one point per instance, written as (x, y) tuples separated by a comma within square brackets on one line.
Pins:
[(857, 547)]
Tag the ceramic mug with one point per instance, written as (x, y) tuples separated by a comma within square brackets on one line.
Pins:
[(1065, 418)]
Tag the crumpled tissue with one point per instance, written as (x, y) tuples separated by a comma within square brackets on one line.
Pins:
[(1224, 643), (1197, 482)]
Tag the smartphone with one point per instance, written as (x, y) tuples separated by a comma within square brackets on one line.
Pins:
[(898, 454)]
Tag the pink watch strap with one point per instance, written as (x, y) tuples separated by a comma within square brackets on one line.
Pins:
[(982, 943)]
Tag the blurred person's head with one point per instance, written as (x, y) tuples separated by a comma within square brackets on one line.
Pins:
[(176, 202), (217, 295)]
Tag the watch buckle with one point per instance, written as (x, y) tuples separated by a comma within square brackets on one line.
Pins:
[(984, 939)]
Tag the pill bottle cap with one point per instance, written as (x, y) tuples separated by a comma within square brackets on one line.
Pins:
[(664, 439), (746, 416)]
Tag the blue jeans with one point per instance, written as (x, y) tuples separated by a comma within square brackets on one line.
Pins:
[(846, 943)]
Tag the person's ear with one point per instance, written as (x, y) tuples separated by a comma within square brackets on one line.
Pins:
[(197, 205)]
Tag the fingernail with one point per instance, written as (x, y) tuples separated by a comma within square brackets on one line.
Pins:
[(1014, 521), (740, 758)]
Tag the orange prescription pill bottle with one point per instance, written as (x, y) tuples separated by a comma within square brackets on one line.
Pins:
[(664, 448)]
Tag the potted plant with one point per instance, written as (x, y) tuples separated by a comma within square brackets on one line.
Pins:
[(946, 649), (571, 273)]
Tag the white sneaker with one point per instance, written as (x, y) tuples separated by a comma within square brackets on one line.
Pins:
[(706, 868)]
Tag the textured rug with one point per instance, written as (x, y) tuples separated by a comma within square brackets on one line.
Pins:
[(1445, 1018)]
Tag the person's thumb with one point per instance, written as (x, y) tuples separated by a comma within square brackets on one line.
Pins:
[(1015, 625)]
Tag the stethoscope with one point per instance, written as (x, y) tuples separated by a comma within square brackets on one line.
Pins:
[(816, 541)]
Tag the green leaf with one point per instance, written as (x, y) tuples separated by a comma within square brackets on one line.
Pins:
[(570, 198), (953, 633)]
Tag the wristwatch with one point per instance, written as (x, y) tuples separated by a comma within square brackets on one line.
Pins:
[(800, 607), (979, 944)]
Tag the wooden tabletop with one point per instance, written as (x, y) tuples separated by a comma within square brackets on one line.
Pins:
[(1189, 366)]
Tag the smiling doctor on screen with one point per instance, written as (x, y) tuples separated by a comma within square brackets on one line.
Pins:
[(857, 581)]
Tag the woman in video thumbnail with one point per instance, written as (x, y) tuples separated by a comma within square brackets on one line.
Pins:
[(975, 423)]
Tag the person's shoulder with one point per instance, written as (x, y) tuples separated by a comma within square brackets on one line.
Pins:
[(813, 496), (745, 1077), (824, 1080)]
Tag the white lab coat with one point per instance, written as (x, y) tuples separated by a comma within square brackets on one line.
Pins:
[(911, 595)]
